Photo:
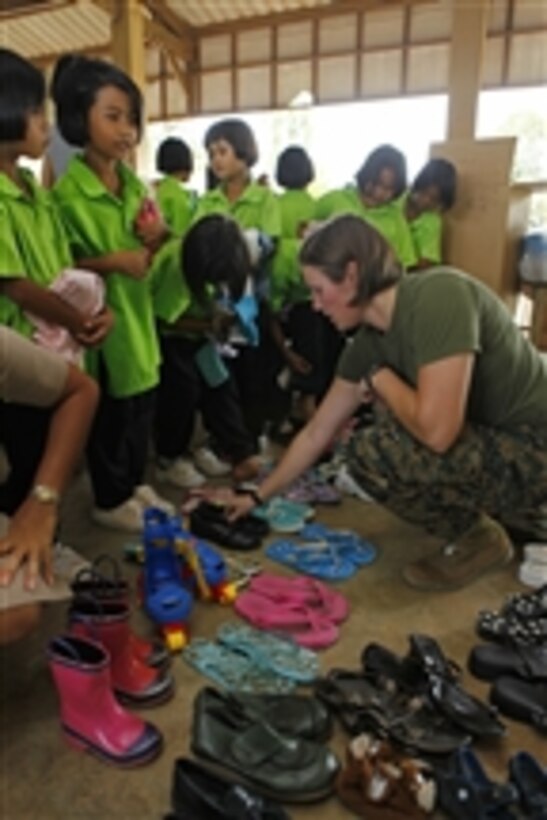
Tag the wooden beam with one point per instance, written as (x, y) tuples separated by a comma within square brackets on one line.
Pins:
[(128, 50), (469, 25)]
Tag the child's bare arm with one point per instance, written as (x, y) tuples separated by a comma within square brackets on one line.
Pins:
[(45, 304), (133, 263)]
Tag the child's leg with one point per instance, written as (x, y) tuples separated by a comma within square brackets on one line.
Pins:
[(18, 621), (223, 419), (24, 430), (177, 399)]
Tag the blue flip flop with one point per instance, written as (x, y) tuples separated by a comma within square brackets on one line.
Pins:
[(348, 544), (317, 558)]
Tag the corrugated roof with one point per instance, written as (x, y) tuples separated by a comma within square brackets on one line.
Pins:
[(74, 27), (206, 12), (79, 25)]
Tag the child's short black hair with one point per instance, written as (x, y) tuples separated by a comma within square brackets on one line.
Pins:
[(214, 252), (385, 156), (65, 62), (239, 135), (78, 89), (294, 168), (174, 155), (22, 92), (443, 175)]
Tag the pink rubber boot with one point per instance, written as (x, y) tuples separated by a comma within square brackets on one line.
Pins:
[(93, 583), (133, 681), (91, 717)]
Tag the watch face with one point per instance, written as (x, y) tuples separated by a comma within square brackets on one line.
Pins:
[(46, 495)]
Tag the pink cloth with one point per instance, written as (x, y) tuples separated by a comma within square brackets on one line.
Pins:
[(83, 290)]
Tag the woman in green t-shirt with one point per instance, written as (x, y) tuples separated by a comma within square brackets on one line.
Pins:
[(459, 443)]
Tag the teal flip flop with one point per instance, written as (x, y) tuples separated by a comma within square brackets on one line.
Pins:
[(271, 653), (233, 670), (318, 558), (285, 516)]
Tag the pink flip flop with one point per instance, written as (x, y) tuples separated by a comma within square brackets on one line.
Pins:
[(302, 591), (303, 624)]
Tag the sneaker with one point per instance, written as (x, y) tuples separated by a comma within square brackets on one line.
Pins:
[(346, 483), (483, 548), (148, 497), (533, 570), (181, 473), (209, 463), (126, 517)]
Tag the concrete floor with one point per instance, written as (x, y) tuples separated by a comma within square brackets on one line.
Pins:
[(43, 779)]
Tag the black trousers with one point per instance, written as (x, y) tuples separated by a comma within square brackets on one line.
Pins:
[(23, 432), (118, 445), (182, 392)]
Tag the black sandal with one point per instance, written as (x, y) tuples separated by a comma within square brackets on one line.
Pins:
[(490, 661), (466, 792), (521, 700), (531, 783)]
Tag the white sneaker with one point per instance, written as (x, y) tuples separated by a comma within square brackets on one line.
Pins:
[(181, 473), (535, 553), (346, 483), (148, 497), (207, 462), (533, 570), (126, 517)]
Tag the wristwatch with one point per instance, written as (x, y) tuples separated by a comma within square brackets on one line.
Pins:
[(45, 494)]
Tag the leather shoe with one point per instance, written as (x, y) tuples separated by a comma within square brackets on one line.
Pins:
[(201, 795), (208, 521), (252, 752)]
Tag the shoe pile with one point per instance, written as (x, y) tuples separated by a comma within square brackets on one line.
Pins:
[(465, 790), (306, 611), (243, 659), (416, 701), (273, 746), (515, 659)]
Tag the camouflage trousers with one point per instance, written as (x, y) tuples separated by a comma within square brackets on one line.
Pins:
[(499, 473)]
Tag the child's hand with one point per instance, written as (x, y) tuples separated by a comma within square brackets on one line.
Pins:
[(134, 263), (150, 226), (96, 328), (298, 363), (221, 323)]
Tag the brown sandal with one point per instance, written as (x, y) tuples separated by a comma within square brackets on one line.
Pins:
[(380, 784)]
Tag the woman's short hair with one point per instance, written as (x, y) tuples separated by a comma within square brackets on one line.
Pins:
[(385, 156), (22, 92), (239, 135), (441, 174), (174, 155), (77, 91), (214, 252), (348, 238), (294, 168)]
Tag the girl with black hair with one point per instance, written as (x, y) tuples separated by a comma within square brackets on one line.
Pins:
[(99, 109), (432, 193), (380, 181), (177, 203), (33, 252)]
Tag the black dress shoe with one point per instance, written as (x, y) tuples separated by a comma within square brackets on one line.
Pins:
[(208, 521), (197, 794)]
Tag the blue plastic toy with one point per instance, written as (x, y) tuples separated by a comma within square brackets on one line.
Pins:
[(165, 598)]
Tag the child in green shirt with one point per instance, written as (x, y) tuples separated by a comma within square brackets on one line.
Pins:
[(33, 252), (99, 108), (380, 181), (432, 193), (233, 151), (177, 203)]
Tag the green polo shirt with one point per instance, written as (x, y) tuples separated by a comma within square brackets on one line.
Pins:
[(443, 313), (177, 204), (257, 207), (97, 223), (288, 286), (33, 243), (387, 219), (426, 231)]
